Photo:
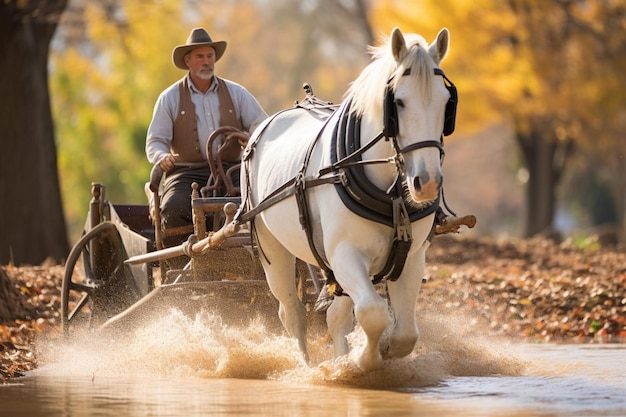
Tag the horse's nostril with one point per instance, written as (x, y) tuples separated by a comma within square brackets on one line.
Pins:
[(417, 184)]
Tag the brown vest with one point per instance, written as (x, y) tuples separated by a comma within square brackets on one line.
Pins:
[(185, 141)]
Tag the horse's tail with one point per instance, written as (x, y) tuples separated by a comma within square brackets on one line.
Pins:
[(324, 299), (329, 291)]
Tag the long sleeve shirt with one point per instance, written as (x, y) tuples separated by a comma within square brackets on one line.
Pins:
[(161, 129)]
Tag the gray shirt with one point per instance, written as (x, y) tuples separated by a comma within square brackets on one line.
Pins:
[(161, 129)]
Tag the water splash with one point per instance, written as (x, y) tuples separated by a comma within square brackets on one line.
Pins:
[(203, 346)]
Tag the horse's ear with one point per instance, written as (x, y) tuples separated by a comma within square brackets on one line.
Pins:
[(440, 46), (398, 44)]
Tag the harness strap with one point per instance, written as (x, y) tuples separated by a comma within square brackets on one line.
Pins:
[(401, 245), (286, 190), (351, 160), (303, 205), (296, 186), (424, 144), (401, 220)]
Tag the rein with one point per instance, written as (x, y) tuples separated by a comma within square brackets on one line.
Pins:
[(352, 159), (400, 217), (290, 187)]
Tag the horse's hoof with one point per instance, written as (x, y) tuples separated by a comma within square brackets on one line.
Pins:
[(368, 362), (400, 347)]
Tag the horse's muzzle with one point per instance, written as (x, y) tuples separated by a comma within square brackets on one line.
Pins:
[(425, 187)]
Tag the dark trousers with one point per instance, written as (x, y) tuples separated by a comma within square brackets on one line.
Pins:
[(176, 194)]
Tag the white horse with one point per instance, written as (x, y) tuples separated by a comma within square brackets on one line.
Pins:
[(292, 180)]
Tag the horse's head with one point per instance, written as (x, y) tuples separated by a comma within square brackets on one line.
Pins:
[(415, 110), (404, 93)]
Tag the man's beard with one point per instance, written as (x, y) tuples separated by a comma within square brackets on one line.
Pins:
[(205, 73)]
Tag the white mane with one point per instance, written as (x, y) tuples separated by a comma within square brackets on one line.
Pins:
[(368, 90)]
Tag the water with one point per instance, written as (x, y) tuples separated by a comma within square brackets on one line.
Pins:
[(197, 367), (563, 380)]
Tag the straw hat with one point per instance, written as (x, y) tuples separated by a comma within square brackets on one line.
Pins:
[(198, 37)]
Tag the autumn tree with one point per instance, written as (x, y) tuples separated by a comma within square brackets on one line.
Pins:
[(601, 98), (32, 225), (14, 304), (548, 67), (110, 62), (113, 58)]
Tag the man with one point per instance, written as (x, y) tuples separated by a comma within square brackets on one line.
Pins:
[(184, 117)]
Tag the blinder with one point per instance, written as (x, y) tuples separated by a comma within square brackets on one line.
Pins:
[(390, 114), (450, 114), (390, 109)]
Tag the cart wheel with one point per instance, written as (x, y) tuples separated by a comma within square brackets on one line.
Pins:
[(96, 284)]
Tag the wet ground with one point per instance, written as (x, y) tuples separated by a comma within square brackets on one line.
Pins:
[(524, 290)]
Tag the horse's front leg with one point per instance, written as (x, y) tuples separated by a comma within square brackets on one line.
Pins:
[(403, 299), (370, 309)]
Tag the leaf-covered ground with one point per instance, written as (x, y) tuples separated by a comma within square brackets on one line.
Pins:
[(524, 289), (530, 289), (40, 286)]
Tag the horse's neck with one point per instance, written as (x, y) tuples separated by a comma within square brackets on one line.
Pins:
[(382, 175)]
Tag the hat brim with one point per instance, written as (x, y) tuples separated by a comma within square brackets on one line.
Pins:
[(178, 55)]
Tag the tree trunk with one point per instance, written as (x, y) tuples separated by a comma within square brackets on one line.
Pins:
[(619, 191), (32, 226), (545, 160), (13, 305)]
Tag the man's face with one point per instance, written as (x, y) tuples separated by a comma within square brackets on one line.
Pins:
[(201, 62)]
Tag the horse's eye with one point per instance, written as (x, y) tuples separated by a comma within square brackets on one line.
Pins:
[(399, 103)]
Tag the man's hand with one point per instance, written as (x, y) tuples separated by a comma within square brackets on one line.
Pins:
[(167, 162), (241, 137)]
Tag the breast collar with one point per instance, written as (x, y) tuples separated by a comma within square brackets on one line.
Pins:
[(357, 192)]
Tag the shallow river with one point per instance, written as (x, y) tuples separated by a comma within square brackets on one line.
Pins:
[(183, 367)]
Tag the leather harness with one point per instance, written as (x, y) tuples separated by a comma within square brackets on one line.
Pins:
[(358, 194)]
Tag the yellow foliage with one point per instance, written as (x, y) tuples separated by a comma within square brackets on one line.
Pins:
[(510, 60)]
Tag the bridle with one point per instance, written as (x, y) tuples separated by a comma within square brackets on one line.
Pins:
[(391, 129), (339, 169)]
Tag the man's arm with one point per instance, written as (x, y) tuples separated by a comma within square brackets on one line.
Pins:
[(160, 131), (251, 114)]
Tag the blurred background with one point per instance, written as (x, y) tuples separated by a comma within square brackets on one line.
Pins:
[(539, 146)]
